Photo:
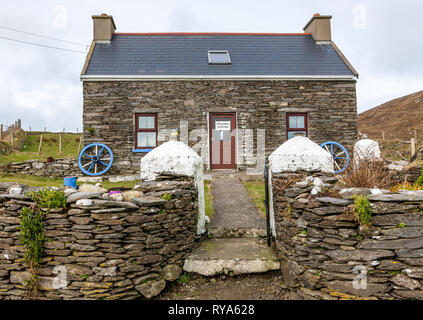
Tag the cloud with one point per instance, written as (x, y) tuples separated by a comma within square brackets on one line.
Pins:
[(42, 87)]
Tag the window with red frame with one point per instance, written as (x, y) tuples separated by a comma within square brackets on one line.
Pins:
[(146, 130), (296, 125)]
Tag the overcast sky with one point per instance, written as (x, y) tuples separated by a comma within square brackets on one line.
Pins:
[(381, 38)]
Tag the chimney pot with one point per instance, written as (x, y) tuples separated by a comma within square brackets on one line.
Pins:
[(104, 27), (319, 28)]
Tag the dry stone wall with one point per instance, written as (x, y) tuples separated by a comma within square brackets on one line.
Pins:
[(98, 248), (325, 253)]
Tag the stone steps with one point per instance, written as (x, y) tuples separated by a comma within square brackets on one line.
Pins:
[(220, 233), (231, 256)]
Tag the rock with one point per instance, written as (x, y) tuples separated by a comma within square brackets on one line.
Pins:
[(89, 179), (395, 167), (316, 190), (397, 197), (15, 190), (84, 202), (114, 204), (309, 279), (347, 287), (409, 219), (406, 282), (91, 188), (359, 255), (151, 288), (290, 271), (69, 191), (20, 277), (82, 195), (406, 294), (414, 243), (414, 272), (171, 272), (407, 232), (335, 201), (148, 201), (121, 178), (110, 271), (349, 192), (366, 149), (323, 211), (407, 253), (150, 276), (128, 195), (116, 196), (318, 182)]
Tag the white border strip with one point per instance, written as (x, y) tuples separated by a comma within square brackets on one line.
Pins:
[(187, 77)]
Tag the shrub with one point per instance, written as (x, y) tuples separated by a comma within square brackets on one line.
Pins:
[(48, 198), (406, 186), (420, 179), (362, 210), (32, 235), (183, 278), (166, 196), (366, 174)]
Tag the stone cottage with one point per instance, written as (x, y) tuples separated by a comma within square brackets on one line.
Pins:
[(232, 97)]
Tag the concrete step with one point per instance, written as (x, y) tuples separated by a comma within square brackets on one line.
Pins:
[(219, 232), (231, 256)]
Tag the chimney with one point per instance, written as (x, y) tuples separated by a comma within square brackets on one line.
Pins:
[(104, 27), (319, 28)]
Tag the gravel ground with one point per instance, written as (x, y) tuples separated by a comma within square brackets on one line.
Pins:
[(266, 286)]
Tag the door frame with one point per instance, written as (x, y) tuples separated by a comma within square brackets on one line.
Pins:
[(233, 115)]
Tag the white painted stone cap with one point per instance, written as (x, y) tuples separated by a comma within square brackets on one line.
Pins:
[(300, 154), (170, 157), (366, 149)]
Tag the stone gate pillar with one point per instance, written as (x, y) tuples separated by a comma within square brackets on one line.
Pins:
[(176, 158), (296, 159)]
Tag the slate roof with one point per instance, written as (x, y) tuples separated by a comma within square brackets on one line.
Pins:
[(186, 55)]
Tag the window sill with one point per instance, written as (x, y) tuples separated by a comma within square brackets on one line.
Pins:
[(141, 150)]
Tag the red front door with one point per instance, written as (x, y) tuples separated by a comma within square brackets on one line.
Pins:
[(222, 140)]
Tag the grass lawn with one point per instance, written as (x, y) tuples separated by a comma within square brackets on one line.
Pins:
[(256, 191), (49, 147), (208, 199), (34, 181)]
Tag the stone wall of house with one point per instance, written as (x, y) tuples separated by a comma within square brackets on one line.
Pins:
[(325, 253), (109, 109), (100, 248)]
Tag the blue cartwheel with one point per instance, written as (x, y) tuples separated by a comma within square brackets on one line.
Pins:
[(340, 155), (95, 159)]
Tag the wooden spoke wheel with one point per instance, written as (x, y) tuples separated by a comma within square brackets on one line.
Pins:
[(95, 159), (340, 155)]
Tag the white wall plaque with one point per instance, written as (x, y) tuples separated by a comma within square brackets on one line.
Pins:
[(222, 125)]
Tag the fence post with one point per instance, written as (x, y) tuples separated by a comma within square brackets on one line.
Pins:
[(12, 138), (79, 147), (415, 135), (41, 141), (413, 147), (383, 135), (60, 144)]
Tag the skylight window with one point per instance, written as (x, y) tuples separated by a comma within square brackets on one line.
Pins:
[(219, 57)]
